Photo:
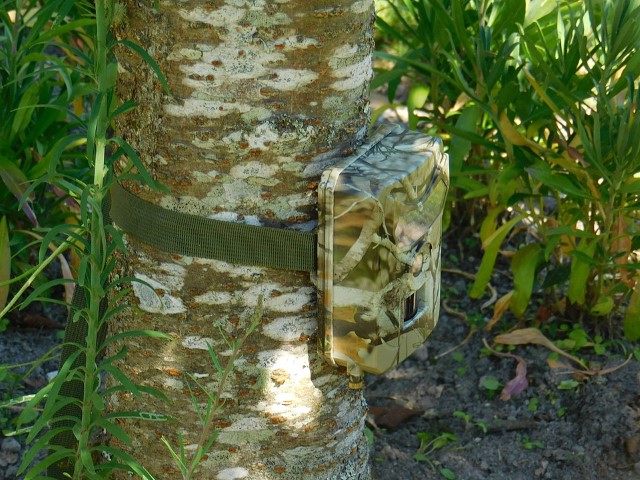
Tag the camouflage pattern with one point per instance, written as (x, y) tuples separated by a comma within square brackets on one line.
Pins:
[(379, 250)]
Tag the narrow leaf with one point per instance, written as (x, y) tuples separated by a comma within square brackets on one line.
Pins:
[(416, 99), (214, 359), (460, 147), (499, 309), (560, 182), (491, 248), (523, 265), (632, 316), (5, 262), (24, 111), (150, 61), (17, 183), (580, 268)]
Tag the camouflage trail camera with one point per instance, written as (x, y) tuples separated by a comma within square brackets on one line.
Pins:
[(379, 251)]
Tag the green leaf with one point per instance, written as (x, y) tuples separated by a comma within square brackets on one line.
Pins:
[(14, 178), (491, 248), (384, 77), (111, 74), (137, 333), (537, 9), (5, 262), (17, 182), (130, 464), (580, 268), (24, 111), (570, 231), (524, 265), (390, 30), (214, 359), (37, 293), (632, 315), (416, 99), (142, 171), (491, 383), (178, 459), (490, 223), (76, 25), (51, 159), (41, 466), (113, 429), (448, 474), (122, 379), (460, 147), (631, 185), (560, 182), (421, 457), (124, 108), (136, 415), (604, 306), (147, 58), (507, 15), (378, 112)]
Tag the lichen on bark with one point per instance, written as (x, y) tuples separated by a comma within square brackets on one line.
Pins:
[(265, 95)]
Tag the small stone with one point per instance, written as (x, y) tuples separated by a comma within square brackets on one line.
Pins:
[(51, 375), (11, 471), (422, 353), (10, 445), (543, 468), (9, 453), (632, 445)]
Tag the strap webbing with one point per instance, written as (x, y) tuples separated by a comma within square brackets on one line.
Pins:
[(196, 236)]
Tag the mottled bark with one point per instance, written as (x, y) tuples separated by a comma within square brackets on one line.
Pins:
[(266, 94)]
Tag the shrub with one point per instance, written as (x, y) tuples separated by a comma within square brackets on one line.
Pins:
[(537, 101), (38, 86)]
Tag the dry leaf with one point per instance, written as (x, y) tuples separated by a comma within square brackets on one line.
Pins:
[(501, 306), (534, 336), (66, 273), (519, 383), (553, 363), (391, 416)]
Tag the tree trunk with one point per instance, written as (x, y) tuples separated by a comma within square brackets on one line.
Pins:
[(266, 94)]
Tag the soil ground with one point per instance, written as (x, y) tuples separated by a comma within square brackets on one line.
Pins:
[(555, 429)]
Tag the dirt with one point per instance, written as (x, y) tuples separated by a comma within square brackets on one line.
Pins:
[(556, 428)]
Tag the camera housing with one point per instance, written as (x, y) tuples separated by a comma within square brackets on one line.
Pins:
[(379, 236)]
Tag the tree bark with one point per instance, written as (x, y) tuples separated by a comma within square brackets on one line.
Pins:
[(266, 94)]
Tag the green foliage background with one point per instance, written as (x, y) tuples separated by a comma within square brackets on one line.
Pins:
[(537, 100)]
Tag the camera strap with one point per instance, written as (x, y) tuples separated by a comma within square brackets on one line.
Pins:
[(196, 236)]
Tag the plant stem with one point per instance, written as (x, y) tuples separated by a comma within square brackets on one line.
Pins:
[(206, 433), (94, 288)]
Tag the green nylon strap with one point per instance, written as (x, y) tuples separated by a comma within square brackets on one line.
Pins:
[(196, 236)]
